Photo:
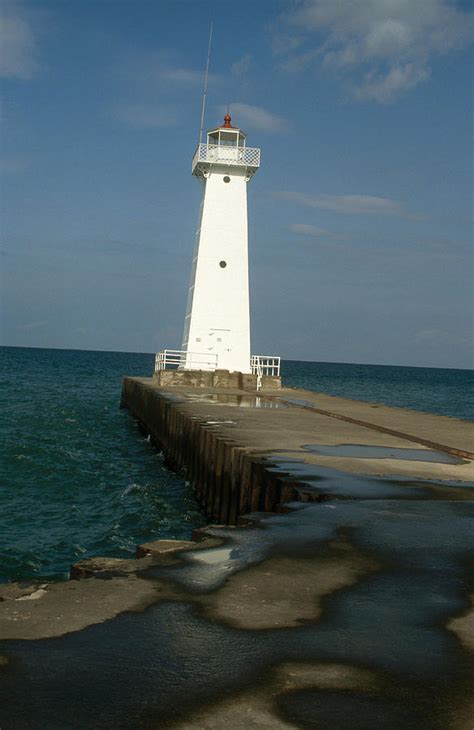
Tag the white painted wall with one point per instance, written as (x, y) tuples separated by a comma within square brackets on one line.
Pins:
[(217, 317)]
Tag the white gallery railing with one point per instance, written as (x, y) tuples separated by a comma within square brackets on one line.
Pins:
[(172, 359), (226, 155)]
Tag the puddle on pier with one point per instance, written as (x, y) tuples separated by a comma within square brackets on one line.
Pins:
[(241, 401), (176, 397), (330, 482), (359, 451)]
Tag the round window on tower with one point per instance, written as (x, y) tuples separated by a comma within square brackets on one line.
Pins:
[(222, 264), (226, 178)]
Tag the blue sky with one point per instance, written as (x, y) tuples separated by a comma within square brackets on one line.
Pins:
[(359, 218)]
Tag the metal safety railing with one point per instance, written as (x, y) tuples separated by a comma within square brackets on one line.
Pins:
[(268, 364), (174, 359), (264, 365), (226, 155)]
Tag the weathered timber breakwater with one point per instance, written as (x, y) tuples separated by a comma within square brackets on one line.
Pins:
[(229, 480), (339, 592)]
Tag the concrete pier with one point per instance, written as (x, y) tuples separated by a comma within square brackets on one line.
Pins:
[(337, 594), (255, 452)]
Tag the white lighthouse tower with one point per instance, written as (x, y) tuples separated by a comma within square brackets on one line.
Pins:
[(217, 322)]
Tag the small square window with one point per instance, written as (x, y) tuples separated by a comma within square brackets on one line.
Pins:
[(198, 339)]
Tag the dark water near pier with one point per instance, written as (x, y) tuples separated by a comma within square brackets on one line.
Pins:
[(79, 479)]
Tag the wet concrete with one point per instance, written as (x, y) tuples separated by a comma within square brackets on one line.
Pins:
[(351, 610), (237, 400), (320, 482), (383, 452), (334, 611)]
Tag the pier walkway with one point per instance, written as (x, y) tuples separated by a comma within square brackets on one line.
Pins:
[(337, 593), (245, 453)]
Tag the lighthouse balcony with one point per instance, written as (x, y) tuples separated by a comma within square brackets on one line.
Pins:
[(207, 155)]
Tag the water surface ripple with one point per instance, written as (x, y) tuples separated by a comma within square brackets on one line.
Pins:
[(79, 477)]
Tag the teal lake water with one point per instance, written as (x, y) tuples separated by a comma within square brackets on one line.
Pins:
[(79, 479)]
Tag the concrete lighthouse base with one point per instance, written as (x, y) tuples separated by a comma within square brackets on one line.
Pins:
[(215, 379)]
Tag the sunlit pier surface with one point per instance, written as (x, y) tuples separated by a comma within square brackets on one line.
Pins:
[(331, 589), (221, 438)]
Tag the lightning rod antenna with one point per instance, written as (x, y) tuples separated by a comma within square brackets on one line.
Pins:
[(206, 78)]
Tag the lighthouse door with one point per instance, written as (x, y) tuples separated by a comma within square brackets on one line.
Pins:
[(220, 345)]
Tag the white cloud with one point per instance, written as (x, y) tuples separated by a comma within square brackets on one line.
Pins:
[(306, 229), (181, 75), (285, 42), (359, 204), (242, 66), (147, 116), (385, 86), (18, 51), (443, 337), (147, 70), (255, 117), (382, 48), (13, 165), (151, 88), (34, 325)]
